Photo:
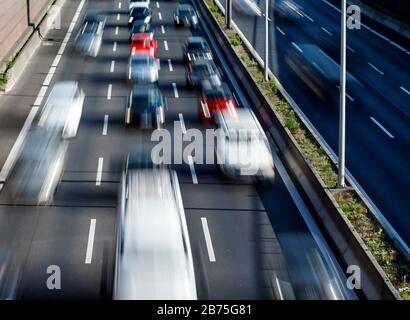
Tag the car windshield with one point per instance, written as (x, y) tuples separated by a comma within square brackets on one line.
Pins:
[(196, 45), (142, 61), (140, 28), (139, 12), (186, 11), (146, 100)]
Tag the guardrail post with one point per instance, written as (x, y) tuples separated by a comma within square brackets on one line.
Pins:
[(266, 62), (228, 13)]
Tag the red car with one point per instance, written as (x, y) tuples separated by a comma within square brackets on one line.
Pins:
[(214, 99), (142, 43)]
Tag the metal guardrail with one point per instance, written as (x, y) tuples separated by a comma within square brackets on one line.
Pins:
[(375, 284)]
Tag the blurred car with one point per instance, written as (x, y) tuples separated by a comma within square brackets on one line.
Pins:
[(140, 14), (139, 3), (197, 48), (289, 10), (245, 151), (145, 107), (317, 70), (214, 99), (186, 16), (153, 251), (142, 68), (248, 7), (89, 38), (63, 108), (142, 43), (141, 27), (40, 166), (203, 70)]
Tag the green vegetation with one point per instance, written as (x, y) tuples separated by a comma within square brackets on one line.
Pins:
[(3, 75), (392, 262)]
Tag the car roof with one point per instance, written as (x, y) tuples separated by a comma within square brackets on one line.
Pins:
[(244, 120), (185, 6), (93, 17), (140, 36), (141, 57), (142, 89)]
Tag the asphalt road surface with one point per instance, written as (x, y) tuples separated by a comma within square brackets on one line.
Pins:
[(264, 241)]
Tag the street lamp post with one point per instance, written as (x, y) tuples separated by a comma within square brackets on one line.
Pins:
[(342, 111), (228, 13), (266, 62)]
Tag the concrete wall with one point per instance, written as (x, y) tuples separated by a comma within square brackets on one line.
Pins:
[(17, 18)]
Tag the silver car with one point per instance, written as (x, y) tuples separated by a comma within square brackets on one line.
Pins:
[(154, 259)]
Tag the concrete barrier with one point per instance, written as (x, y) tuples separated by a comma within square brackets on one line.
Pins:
[(337, 228), (29, 44)]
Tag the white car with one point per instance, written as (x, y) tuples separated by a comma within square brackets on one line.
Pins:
[(154, 259), (244, 150), (142, 68), (63, 108), (139, 3), (248, 7)]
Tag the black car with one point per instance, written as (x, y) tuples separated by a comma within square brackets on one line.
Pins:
[(197, 48), (145, 107), (203, 70), (140, 26), (185, 15), (139, 14)]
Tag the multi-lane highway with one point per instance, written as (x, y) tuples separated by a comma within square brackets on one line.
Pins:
[(248, 241), (378, 88)]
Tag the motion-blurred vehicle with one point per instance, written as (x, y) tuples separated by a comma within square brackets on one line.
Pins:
[(248, 7), (63, 108), (317, 70), (142, 68), (288, 10), (203, 70), (89, 38), (186, 16), (40, 165), (140, 14), (214, 99), (140, 27), (197, 48), (139, 3), (142, 43), (153, 253), (145, 107), (245, 151)]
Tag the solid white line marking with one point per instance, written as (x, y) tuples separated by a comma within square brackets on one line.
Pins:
[(56, 60), (119, 5), (99, 171), (327, 31), (109, 89), (159, 15), (62, 48), (15, 150), (281, 31), (181, 119), (114, 47), (166, 45), (50, 75), (157, 4), (174, 86), (116, 30), (118, 17), (112, 66), (170, 65), (405, 90), (311, 20), (105, 128), (40, 96), (375, 68), (383, 128), (90, 243), (162, 29), (208, 240), (297, 47)]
